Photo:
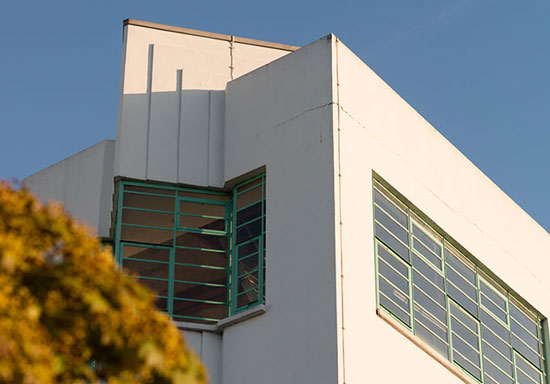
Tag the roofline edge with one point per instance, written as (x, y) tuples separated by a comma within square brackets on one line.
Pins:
[(211, 35)]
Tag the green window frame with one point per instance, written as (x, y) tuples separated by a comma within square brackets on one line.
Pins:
[(184, 244), (450, 302)]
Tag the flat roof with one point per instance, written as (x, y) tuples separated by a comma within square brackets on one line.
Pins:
[(212, 35)]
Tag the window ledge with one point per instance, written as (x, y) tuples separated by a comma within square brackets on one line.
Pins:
[(425, 347), (223, 323)]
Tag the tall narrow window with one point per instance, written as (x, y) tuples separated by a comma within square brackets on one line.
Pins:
[(248, 270), (449, 303)]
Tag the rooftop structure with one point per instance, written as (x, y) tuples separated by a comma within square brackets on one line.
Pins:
[(301, 223)]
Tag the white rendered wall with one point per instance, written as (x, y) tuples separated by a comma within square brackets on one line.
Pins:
[(280, 116), (171, 107), (83, 183), (208, 346), (381, 132)]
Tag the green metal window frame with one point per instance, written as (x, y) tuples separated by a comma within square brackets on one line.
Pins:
[(492, 300), (230, 232)]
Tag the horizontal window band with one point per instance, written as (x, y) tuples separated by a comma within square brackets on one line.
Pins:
[(147, 227), (391, 217), (431, 265), (428, 280), (149, 193), (248, 273), (529, 347), (250, 205), (536, 337), (201, 283), (397, 306), (257, 218), (143, 260), (447, 265), (496, 351), (465, 326), (201, 266), (493, 302), (429, 330), (199, 231), (200, 249), (249, 256), (388, 231), (427, 248), (499, 368), (433, 318), (478, 350), (385, 263), (259, 186), (202, 216), (200, 301), (477, 365), (183, 199), (169, 188), (430, 298), (247, 291), (528, 375), (148, 210), (382, 191), (249, 305), (507, 343), (144, 245), (406, 294), (464, 293), (196, 318), (149, 278)]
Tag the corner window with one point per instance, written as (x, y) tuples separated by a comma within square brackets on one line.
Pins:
[(449, 302), (201, 252)]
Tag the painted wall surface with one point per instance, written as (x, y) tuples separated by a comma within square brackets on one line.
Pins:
[(379, 131), (280, 116), (207, 346), (83, 183), (171, 107)]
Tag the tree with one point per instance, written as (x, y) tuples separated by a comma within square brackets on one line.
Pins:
[(68, 315)]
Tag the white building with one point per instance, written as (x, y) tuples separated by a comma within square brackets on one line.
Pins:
[(390, 257)]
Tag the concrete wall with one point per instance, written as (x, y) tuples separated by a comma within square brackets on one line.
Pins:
[(83, 183), (208, 346), (379, 131), (280, 116), (171, 108)]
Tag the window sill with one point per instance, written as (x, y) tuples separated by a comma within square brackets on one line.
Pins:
[(425, 347), (223, 323)]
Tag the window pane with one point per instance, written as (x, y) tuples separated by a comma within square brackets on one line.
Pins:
[(428, 242), (199, 222), (204, 209), (430, 256), (249, 197), (460, 267), (497, 359), (202, 195), (158, 203), (432, 340), (147, 235), (491, 369), (200, 310), (395, 245), (495, 310), (400, 232), (527, 352), (391, 260), (201, 240), (429, 305), (155, 254), (200, 292), (517, 314), (500, 345), (391, 209), (250, 213), (395, 278), (431, 290), (153, 219), (528, 370), (158, 287), (147, 269), (249, 231), (495, 298), (158, 191), (495, 326), (247, 298), (200, 274), (200, 257), (394, 309), (524, 335), (467, 365), (430, 322), (427, 271), (397, 296)]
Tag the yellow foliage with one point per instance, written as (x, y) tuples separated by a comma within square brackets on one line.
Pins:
[(67, 315)]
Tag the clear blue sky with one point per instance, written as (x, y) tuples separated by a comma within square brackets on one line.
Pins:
[(478, 70)]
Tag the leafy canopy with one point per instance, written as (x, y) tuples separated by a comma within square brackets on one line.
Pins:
[(67, 315)]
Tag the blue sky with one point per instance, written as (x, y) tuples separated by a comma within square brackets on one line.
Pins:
[(478, 70)]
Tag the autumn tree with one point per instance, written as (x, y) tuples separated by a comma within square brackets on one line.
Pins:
[(68, 315)]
